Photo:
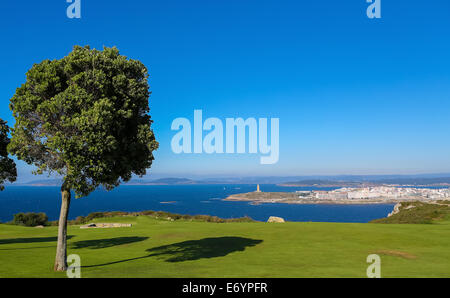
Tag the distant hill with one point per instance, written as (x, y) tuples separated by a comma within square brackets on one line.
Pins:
[(329, 183), (401, 181), (165, 181), (297, 181), (44, 182), (418, 181)]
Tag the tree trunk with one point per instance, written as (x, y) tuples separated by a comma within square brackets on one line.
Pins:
[(61, 249)]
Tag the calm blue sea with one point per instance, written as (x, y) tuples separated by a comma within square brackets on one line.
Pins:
[(185, 199)]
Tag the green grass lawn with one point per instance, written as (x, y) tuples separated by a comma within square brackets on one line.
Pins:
[(160, 248)]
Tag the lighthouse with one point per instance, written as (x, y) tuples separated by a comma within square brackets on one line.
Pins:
[(257, 188)]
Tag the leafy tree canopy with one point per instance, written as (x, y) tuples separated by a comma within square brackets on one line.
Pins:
[(85, 117), (8, 170)]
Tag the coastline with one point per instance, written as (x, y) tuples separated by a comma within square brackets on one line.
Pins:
[(205, 199), (257, 198)]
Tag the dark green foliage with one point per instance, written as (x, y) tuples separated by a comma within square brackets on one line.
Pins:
[(418, 213), (204, 218), (85, 117), (30, 219), (8, 170), (80, 220)]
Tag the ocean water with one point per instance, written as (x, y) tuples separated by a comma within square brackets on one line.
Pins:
[(183, 199)]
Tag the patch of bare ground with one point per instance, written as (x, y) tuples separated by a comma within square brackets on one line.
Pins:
[(396, 253)]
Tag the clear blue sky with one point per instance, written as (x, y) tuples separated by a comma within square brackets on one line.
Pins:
[(354, 95)]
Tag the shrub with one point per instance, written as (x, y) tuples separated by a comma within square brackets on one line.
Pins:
[(80, 220), (30, 219)]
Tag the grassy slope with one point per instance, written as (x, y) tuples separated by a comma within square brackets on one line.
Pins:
[(234, 250), (420, 213)]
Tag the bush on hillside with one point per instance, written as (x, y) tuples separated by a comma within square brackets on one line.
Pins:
[(30, 219), (418, 213), (81, 220)]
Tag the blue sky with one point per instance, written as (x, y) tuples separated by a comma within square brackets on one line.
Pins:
[(353, 95)]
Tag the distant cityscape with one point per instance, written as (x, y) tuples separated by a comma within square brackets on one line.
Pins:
[(378, 193), (347, 195)]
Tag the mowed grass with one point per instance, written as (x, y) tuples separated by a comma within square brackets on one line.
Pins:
[(161, 248)]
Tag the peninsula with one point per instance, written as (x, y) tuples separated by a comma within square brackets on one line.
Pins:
[(365, 195)]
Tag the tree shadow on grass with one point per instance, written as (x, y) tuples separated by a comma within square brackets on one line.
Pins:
[(105, 243), (194, 249), (30, 240), (202, 249)]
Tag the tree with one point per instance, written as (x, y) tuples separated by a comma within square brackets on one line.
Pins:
[(8, 170), (85, 117)]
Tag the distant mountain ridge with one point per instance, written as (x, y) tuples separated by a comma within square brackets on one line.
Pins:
[(43, 182), (442, 181), (164, 181), (298, 181), (329, 183)]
